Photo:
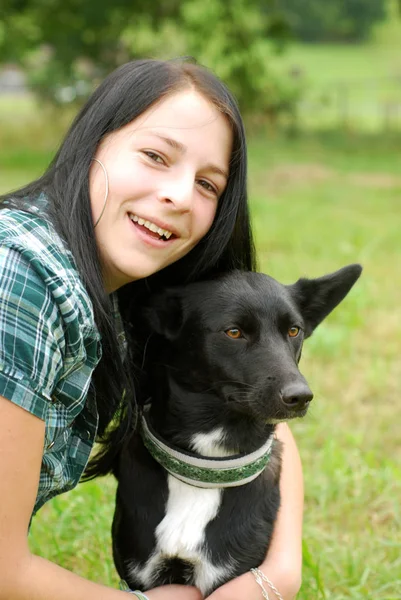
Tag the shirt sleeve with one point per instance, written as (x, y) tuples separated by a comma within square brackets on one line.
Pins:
[(31, 335)]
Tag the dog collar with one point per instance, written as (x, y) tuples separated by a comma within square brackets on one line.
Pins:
[(202, 471)]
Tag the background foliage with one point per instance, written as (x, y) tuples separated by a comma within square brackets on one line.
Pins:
[(334, 20), (66, 47)]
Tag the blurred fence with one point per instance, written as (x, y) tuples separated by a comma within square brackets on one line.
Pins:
[(12, 81), (367, 104)]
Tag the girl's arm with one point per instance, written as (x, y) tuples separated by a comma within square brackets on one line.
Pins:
[(24, 576), (283, 563)]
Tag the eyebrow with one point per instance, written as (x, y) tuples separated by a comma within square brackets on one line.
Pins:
[(181, 148)]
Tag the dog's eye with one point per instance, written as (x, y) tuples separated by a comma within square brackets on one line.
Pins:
[(234, 333), (293, 331)]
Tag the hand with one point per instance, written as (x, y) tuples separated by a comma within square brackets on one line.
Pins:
[(239, 588), (245, 586), (174, 592)]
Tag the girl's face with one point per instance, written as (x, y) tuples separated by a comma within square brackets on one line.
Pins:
[(167, 170)]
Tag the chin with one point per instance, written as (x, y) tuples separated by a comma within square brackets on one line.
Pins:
[(127, 275)]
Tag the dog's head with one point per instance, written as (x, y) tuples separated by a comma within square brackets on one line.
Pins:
[(239, 338)]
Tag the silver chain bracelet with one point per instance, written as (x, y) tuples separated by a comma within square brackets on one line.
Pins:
[(260, 577), (139, 595), (125, 588)]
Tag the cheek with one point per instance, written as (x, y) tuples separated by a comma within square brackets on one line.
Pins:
[(123, 171), (124, 179), (206, 217)]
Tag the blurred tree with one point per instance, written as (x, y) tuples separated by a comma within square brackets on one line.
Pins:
[(67, 46), (334, 20)]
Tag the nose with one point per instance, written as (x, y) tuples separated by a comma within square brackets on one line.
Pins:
[(178, 191), (296, 396)]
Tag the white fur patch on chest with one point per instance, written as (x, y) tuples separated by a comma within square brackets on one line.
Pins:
[(181, 533), (189, 510)]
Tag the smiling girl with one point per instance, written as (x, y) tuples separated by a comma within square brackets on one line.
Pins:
[(150, 182)]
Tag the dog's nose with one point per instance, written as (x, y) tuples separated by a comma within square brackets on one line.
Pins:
[(296, 396)]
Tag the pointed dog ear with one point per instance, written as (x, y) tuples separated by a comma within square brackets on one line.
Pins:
[(164, 313), (316, 298)]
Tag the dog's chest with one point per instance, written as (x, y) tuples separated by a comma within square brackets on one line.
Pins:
[(182, 533), (188, 511)]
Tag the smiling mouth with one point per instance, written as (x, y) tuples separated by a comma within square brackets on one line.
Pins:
[(151, 229)]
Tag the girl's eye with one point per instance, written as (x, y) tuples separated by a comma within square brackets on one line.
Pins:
[(207, 186), (155, 157), (294, 331), (234, 333)]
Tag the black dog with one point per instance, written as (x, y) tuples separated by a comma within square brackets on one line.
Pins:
[(198, 489)]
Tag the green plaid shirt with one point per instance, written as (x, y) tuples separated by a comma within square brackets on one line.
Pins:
[(49, 344)]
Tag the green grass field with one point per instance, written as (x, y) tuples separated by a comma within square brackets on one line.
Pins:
[(354, 86), (317, 204)]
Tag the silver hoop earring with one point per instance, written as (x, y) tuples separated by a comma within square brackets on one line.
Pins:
[(107, 189)]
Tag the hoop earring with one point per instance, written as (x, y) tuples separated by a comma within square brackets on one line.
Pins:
[(107, 189)]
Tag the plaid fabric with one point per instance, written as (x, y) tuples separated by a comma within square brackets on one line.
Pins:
[(49, 344)]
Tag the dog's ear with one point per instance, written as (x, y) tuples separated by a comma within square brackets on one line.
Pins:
[(164, 313), (316, 298)]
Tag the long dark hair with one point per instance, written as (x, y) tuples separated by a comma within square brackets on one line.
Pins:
[(123, 96)]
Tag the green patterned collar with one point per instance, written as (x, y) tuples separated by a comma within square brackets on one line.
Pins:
[(201, 471)]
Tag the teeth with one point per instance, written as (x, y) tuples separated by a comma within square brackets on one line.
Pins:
[(151, 226)]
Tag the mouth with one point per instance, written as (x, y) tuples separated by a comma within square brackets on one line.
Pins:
[(294, 414), (152, 229), (288, 415), (298, 414)]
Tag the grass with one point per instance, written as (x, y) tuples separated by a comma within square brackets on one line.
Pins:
[(326, 63), (318, 203), (356, 86)]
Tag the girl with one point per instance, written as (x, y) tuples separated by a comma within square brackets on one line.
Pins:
[(150, 182)]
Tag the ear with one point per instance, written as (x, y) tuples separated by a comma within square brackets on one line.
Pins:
[(316, 298), (164, 313)]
